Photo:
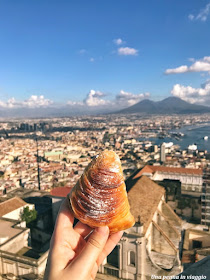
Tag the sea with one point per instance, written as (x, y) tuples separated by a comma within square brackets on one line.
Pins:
[(192, 135)]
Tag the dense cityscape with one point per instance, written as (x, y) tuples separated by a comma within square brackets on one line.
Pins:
[(65, 146), (42, 159)]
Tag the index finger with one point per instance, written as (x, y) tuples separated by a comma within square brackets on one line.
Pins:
[(65, 218)]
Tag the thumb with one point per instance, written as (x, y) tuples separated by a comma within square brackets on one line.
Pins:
[(92, 249)]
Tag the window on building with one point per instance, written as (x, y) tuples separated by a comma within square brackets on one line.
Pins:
[(197, 244), (131, 258)]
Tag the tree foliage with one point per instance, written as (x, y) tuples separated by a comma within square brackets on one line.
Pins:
[(28, 215)]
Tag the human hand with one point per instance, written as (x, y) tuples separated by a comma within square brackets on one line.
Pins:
[(76, 253)]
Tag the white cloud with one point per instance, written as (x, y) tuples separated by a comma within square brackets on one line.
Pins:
[(193, 95), (118, 41), (201, 65), (191, 17), (202, 15), (34, 101), (37, 101), (129, 99), (127, 51), (75, 103), (122, 99), (94, 98), (180, 69), (82, 51), (2, 104), (92, 59), (11, 103)]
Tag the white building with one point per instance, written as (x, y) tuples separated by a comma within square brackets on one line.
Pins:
[(17, 258), (13, 208), (191, 179), (151, 247), (163, 153)]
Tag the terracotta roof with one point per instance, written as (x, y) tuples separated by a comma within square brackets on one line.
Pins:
[(144, 198), (51, 168), (11, 205), (60, 191), (164, 169)]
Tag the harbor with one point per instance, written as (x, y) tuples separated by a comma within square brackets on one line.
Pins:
[(186, 136)]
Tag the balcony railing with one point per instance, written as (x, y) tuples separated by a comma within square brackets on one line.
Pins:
[(111, 270)]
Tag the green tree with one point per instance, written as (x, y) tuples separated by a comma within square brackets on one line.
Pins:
[(182, 204), (194, 206), (28, 215)]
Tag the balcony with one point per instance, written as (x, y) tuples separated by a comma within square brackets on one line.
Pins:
[(111, 270)]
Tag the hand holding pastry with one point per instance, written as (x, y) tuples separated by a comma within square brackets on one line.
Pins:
[(75, 252), (99, 201)]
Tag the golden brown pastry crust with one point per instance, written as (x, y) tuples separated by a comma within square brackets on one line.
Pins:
[(99, 197)]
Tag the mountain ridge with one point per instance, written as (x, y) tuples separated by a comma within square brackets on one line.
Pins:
[(169, 105)]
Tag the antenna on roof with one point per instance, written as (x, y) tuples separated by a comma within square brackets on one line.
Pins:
[(139, 219)]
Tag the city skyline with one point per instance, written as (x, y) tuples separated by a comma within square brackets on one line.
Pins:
[(167, 186), (103, 54)]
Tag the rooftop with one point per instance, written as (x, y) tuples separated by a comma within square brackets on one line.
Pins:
[(29, 252), (144, 198), (8, 230), (60, 191), (164, 169), (11, 205)]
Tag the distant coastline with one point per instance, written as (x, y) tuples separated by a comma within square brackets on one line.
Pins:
[(192, 134)]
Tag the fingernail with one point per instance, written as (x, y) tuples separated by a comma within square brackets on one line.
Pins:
[(102, 230)]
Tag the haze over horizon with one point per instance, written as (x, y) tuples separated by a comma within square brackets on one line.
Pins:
[(103, 54)]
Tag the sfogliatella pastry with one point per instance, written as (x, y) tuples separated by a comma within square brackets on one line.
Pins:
[(99, 197)]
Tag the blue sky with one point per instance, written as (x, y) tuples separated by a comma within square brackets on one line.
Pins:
[(103, 52)]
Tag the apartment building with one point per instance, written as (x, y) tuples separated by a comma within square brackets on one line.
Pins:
[(191, 178), (205, 199)]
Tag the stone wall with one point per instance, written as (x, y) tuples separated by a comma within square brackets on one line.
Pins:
[(167, 227), (19, 265), (160, 243), (16, 243)]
